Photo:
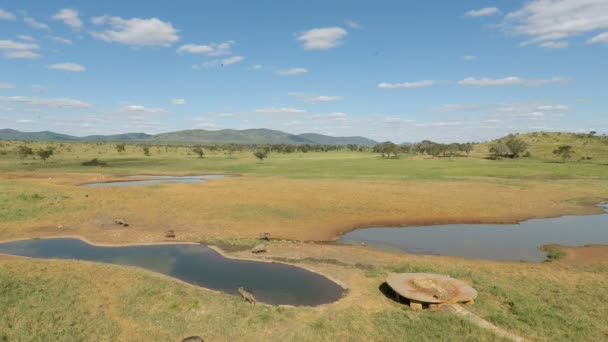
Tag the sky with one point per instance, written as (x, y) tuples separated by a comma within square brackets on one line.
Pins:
[(388, 70)]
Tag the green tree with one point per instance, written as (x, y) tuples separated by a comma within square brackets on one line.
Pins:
[(120, 147), (146, 150), (517, 146), (199, 150), (24, 151), (500, 150), (466, 148), (45, 153), (261, 154), (565, 152)]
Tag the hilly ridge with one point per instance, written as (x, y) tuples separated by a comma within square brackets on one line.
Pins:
[(201, 136)]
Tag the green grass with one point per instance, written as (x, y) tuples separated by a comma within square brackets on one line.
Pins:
[(76, 301), (340, 164)]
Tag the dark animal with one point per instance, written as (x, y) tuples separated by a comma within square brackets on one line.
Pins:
[(247, 295)]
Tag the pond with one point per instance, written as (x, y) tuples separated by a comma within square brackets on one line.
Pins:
[(272, 283), (488, 241), (151, 179)]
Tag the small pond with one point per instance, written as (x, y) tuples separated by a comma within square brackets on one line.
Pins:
[(488, 241), (272, 283), (151, 179)]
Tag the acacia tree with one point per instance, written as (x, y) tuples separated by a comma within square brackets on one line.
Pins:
[(199, 150), (499, 150), (146, 150), (120, 147), (516, 146), (261, 154), (24, 151), (565, 152), (45, 153), (467, 148)]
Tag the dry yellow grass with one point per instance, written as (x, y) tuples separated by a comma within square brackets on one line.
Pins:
[(299, 209)]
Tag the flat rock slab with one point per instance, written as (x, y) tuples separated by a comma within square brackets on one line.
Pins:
[(431, 288)]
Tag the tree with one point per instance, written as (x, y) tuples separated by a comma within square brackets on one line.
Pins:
[(24, 151), (120, 147), (230, 150), (45, 153), (499, 150), (565, 152), (261, 154), (199, 150), (146, 150), (516, 146), (466, 148)]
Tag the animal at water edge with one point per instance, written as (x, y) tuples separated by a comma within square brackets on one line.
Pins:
[(247, 295), (261, 248)]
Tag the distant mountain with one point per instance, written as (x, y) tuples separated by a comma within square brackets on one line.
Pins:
[(197, 136), (11, 134), (247, 136), (118, 137), (329, 140)]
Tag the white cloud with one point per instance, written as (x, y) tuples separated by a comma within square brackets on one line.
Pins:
[(141, 110), (459, 107), (13, 45), (6, 15), (469, 57), (21, 55), (415, 84), (26, 38), (482, 12), (353, 24), (37, 88), (510, 81), (6, 85), (322, 38), (178, 102), (60, 40), (439, 124), (47, 102), (13, 49), (292, 71), (136, 31), (280, 111), (600, 38), (73, 67), (232, 60), (204, 123), (69, 16), (554, 45), (331, 117), (219, 62), (25, 121), (548, 108), (396, 120), (315, 98), (514, 112), (36, 24), (212, 49), (550, 20), (257, 67)]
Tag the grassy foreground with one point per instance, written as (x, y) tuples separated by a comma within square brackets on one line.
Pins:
[(312, 196)]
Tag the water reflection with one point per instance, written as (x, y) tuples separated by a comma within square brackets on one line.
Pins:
[(488, 241), (272, 283)]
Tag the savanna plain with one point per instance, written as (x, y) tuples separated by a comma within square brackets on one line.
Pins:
[(305, 201)]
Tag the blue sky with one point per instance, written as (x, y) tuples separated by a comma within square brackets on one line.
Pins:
[(388, 70)]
